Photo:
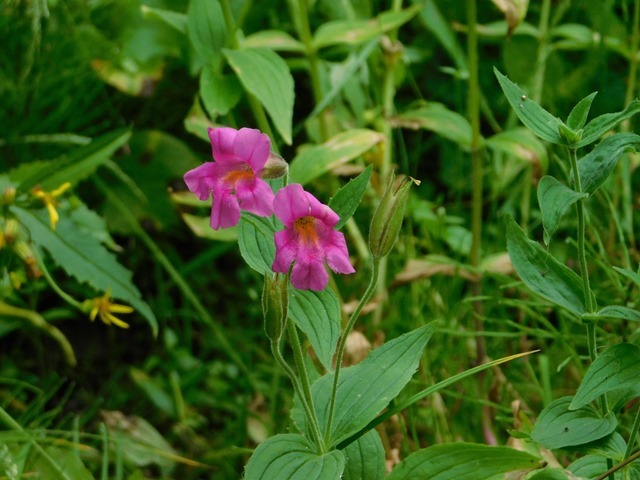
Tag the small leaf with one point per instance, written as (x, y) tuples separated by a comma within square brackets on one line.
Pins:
[(266, 75), (578, 116), (542, 273), (176, 20), (201, 226), (559, 427), (614, 311), (348, 198), (554, 199), (437, 118), (365, 458), (462, 461), (274, 40), (207, 30), (59, 464), (534, 117), (342, 148), (317, 314), (255, 239), (629, 274), (598, 164), (602, 124), (219, 93), (613, 369), (289, 456)]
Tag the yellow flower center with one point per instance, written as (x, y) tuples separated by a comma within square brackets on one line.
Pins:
[(236, 176), (305, 227)]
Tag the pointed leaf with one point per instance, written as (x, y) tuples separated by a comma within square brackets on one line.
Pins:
[(542, 273), (342, 148), (266, 75), (534, 117), (559, 427), (437, 118), (317, 314), (59, 464), (219, 93), (274, 40), (255, 239), (598, 164), (554, 199), (614, 311), (176, 20), (462, 461), (348, 198), (615, 368), (207, 30), (578, 116), (602, 124), (289, 456), (365, 458)]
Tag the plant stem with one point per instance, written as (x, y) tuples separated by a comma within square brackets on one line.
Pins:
[(632, 436), (375, 271), (620, 465), (543, 52)]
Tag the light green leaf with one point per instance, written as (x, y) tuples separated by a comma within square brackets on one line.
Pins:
[(534, 117), (219, 93), (176, 20), (598, 164), (559, 427), (317, 314), (346, 200), (542, 273), (629, 274), (342, 148), (578, 116), (462, 461), (255, 239), (201, 226), (522, 144), (73, 167), (602, 124), (266, 75), (614, 369), (614, 311), (83, 257), (60, 464), (554, 199), (437, 118), (274, 40), (365, 458), (289, 456), (207, 30)]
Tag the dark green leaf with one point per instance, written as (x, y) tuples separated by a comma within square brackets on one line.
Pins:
[(559, 427), (554, 199), (255, 239), (207, 30), (346, 200), (578, 116), (602, 124), (219, 93), (365, 458)]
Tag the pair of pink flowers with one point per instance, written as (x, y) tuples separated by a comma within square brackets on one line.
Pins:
[(235, 182)]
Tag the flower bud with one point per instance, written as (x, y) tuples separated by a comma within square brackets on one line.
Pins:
[(387, 219), (275, 167), (570, 135), (8, 196), (275, 305)]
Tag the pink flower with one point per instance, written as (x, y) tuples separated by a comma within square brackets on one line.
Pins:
[(308, 239), (233, 178)]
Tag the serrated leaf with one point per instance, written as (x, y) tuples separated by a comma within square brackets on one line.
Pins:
[(534, 117), (615, 368), (462, 461), (289, 456), (72, 167), (255, 239), (83, 257), (176, 20), (207, 30), (554, 199), (437, 118), (219, 93), (602, 124), (559, 427), (346, 200), (365, 458), (542, 273), (317, 314), (266, 75), (598, 164), (578, 116), (342, 148)]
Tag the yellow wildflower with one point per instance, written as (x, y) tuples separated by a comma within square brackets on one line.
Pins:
[(104, 308), (49, 200)]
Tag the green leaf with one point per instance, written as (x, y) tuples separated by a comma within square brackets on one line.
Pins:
[(542, 273), (614, 369), (83, 257), (289, 456), (534, 117), (59, 464), (602, 124), (255, 239), (522, 144), (274, 40), (201, 226), (598, 164), (317, 314), (559, 427), (348, 198), (578, 116), (176, 20), (219, 93), (554, 199), (589, 466), (342, 148), (365, 389), (265, 74), (73, 167), (614, 311), (365, 458), (462, 461), (207, 30), (629, 274), (549, 474), (437, 118)]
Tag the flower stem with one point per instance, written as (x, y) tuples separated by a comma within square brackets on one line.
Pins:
[(52, 283), (633, 435), (375, 271)]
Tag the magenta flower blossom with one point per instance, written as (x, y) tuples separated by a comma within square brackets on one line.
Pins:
[(308, 239), (233, 178)]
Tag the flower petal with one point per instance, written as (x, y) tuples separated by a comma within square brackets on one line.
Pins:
[(222, 144), (293, 202), (309, 274), (336, 253), (252, 146), (201, 180), (255, 196), (286, 250), (225, 211)]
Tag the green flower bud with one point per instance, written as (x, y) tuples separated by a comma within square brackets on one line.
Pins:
[(275, 305), (570, 135), (387, 219), (275, 167)]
